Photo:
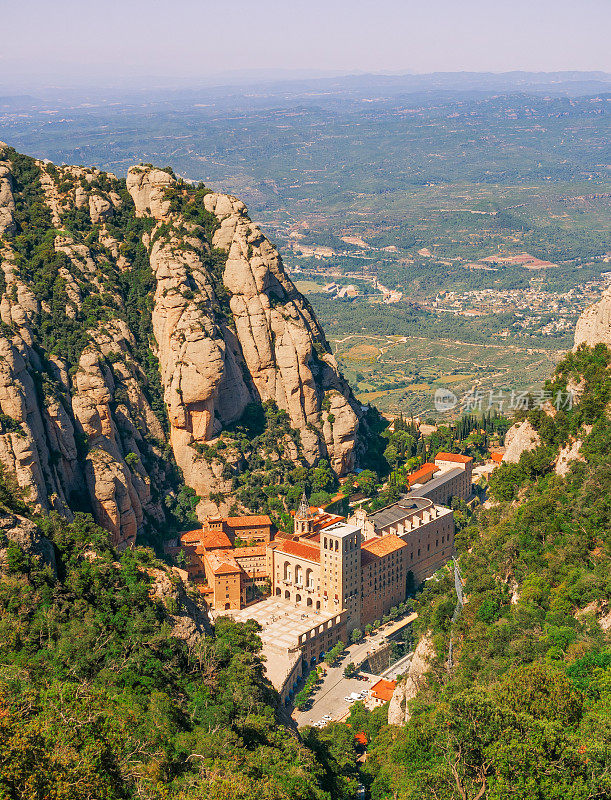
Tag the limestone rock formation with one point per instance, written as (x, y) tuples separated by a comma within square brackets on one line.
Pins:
[(407, 689), (186, 616), (520, 438), (18, 530), (567, 455), (594, 325), (266, 346), (142, 315)]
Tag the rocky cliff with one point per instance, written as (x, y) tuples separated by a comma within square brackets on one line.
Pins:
[(594, 325), (140, 320), (398, 709)]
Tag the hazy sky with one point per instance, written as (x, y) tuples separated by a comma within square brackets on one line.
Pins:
[(79, 39)]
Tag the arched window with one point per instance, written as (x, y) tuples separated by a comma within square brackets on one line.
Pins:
[(227, 606), (287, 570), (298, 598), (287, 594), (298, 573), (309, 578), (318, 605), (336, 545), (325, 543), (309, 601), (278, 591)]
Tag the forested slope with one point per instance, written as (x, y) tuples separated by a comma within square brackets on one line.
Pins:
[(109, 689), (525, 709)]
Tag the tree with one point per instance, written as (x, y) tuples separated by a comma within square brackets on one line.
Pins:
[(391, 454), (323, 478), (367, 482), (350, 670)]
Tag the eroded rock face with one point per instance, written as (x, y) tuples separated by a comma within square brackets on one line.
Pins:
[(567, 455), (520, 438), (18, 530), (594, 325), (226, 325), (267, 345), (398, 708), (187, 618), (66, 434), (147, 187)]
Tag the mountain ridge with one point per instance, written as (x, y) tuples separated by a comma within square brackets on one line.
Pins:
[(142, 318)]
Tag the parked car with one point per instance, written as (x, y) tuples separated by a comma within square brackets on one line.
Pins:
[(327, 717)]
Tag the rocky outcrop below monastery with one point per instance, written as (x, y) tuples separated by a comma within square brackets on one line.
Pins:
[(594, 324), (398, 709), (520, 438), (139, 319)]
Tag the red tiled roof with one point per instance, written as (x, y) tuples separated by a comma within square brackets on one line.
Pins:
[(222, 564), (300, 549), (326, 520), (425, 471), (498, 457), (361, 737), (384, 545), (457, 457), (215, 540), (244, 522), (383, 690), (191, 536)]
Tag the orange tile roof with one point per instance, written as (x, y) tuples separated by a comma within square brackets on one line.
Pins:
[(498, 457), (361, 737), (326, 520), (221, 562), (243, 522), (300, 549), (457, 457), (215, 540), (191, 536), (383, 690), (424, 471), (384, 546)]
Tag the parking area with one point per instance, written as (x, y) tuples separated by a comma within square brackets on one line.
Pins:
[(330, 701)]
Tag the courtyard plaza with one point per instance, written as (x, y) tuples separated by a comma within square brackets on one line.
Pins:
[(282, 626)]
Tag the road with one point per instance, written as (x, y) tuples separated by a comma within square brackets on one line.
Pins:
[(329, 697)]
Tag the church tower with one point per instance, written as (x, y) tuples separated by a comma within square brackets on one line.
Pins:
[(340, 571), (303, 523)]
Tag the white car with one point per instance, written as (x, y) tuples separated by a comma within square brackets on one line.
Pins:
[(327, 717), (349, 699)]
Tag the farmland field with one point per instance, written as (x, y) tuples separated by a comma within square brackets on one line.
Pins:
[(402, 373)]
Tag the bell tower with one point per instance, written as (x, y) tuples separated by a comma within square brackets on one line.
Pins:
[(340, 563), (303, 523)]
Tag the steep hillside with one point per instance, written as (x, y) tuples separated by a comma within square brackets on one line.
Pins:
[(594, 325), (523, 709), (142, 320), (112, 687)]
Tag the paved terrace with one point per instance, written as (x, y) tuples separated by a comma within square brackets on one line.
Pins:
[(282, 622)]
